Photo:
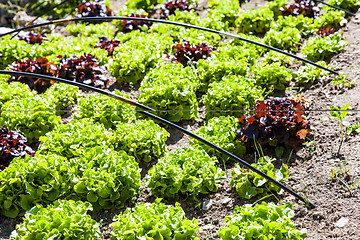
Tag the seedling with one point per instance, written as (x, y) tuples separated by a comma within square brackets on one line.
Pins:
[(340, 114), (354, 129), (341, 82), (342, 174), (353, 185), (306, 198), (311, 144), (347, 186), (342, 171)]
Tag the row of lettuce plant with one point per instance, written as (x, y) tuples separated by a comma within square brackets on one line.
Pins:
[(271, 77), (79, 187), (215, 87), (129, 68), (70, 219), (78, 165), (103, 177)]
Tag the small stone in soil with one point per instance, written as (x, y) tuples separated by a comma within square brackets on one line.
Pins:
[(346, 123), (206, 220), (357, 18), (206, 205), (226, 200), (342, 222), (208, 227), (318, 215)]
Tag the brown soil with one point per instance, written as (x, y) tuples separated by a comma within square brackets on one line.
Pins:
[(310, 169)]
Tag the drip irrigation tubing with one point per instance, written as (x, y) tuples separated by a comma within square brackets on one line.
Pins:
[(335, 7), (80, 85), (159, 119), (176, 24), (116, 110)]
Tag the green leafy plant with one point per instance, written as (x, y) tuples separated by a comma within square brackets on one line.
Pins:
[(60, 220), (168, 72), (274, 6), (4, 78), (14, 90), (286, 39), (61, 95), (332, 18), (222, 132), (238, 49), (219, 67), (353, 129), (240, 52), (74, 139), (340, 114), (142, 4), (70, 45), (216, 21), (255, 20), (90, 30), (29, 181), (321, 48), (103, 109), (12, 50), (185, 171), (137, 56), (106, 178), (343, 176), (274, 57), (173, 93), (272, 77), (305, 25), (230, 96), (349, 188), (154, 221), (127, 26), (258, 20), (224, 11), (311, 144), (350, 5), (249, 184), (194, 36), (34, 116), (262, 221), (101, 176), (342, 171), (342, 82), (309, 74), (144, 139)]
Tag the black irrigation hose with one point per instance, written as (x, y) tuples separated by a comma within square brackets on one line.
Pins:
[(177, 24), (332, 6), (80, 85)]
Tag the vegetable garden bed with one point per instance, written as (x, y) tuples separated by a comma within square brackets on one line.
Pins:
[(97, 158)]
